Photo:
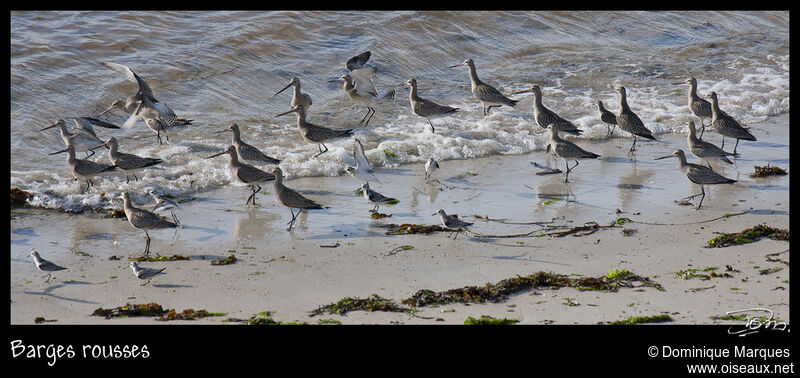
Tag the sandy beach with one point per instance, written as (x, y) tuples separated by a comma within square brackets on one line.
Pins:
[(342, 252)]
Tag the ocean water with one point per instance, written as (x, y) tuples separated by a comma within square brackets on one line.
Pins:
[(218, 68)]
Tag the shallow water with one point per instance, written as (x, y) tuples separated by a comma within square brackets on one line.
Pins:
[(223, 67)]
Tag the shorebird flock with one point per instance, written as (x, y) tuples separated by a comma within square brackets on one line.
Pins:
[(358, 86)]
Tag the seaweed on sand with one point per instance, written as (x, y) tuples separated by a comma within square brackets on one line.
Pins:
[(767, 171), (748, 236), (373, 303), (499, 291), (129, 310), (407, 228)]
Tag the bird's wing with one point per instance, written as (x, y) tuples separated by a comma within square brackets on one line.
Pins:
[(360, 157), (362, 80), (131, 76), (358, 61)]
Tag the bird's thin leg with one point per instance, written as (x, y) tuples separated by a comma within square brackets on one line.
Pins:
[(734, 148), (147, 245), (433, 130), (702, 129), (252, 196), (320, 149), (370, 116), (365, 118), (723, 142), (174, 217), (88, 155), (134, 176), (703, 192)]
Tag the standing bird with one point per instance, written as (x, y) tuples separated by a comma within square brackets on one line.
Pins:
[(246, 151), (628, 121), (485, 93), (84, 169), (699, 107), (144, 273), (545, 117), (84, 136), (431, 166), (290, 198), (164, 203), (704, 150), (245, 173), (607, 117), (143, 219), (129, 163), (158, 116), (726, 126), (426, 108), (44, 265), (698, 174), (298, 98), (452, 222), (316, 134), (374, 197), (363, 169), (567, 150)]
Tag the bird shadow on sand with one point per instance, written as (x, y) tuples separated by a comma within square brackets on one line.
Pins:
[(49, 289)]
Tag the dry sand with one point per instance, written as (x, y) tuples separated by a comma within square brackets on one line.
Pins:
[(341, 252)]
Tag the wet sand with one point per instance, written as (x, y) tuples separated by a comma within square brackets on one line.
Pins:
[(341, 252)]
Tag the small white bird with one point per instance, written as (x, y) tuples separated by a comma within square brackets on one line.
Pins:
[(363, 169), (374, 197), (144, 273), (452, 222), (430, 168), (44, 265), (164, 203)]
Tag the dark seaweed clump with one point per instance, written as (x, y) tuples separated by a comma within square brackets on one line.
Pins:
[(129, 310), (373, 303), (19, 197), (767, 171), (406, 229), (748, 236), (643, 319), (151, 309), (224, 261), (158, 258), (188, 314), (499, 291)]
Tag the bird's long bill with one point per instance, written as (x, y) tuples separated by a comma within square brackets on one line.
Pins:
[(284, 88), (525, 91), (50, 127), (215, 155), (680, 83), (285, 113), (221, 131), (664, 157), (457, 65), (334, 81), (107, 110), (98, 146), (58, 152)]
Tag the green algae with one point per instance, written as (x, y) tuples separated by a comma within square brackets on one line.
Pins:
[(643, 319)]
